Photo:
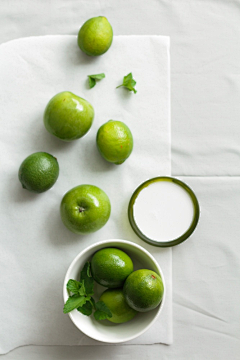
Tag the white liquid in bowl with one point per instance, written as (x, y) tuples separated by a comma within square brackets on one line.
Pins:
[(163, 211)]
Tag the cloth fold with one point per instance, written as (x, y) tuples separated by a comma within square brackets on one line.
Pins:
[(36, 248)]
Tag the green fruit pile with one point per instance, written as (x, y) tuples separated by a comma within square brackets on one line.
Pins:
[(85, 208), (129, 291)]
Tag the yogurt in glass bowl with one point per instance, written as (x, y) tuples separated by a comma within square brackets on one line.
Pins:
[(163, 211)]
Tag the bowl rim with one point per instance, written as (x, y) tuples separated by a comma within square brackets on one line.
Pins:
[(186, 234), (118, 241)]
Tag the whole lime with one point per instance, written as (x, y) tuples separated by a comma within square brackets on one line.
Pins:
[(115, 301), (110, 267), (85, 209), (95, 36), (68, 116), (114, 141), (38, 172), (143, 290)]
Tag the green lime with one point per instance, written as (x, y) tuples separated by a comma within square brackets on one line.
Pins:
[(143, 290), (114, 141), (110, 267), (115, 301), (95, 36), (38, 172)]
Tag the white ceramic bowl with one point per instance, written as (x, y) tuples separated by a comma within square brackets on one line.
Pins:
[(106, 331)]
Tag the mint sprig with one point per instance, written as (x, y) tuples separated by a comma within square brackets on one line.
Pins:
[(74, 302), (86, 277), (82, 299), (128, 83), (92, 79), (86, 309), (74, 286), (102, 311)]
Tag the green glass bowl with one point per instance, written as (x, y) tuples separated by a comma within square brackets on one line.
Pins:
[(181, 238)]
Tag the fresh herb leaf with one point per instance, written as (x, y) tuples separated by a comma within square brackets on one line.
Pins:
[(92, 79), (91, 82), (97, 76), (89, 269), (86, 309), (74, 302), (74, 286), (92, 301), (82, 299), (87, 278), (102, 311), (82, 290), (129, 83)]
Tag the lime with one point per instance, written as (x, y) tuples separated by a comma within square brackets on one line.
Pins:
[(143, 290), (95, 36), (115, 301), (110, 267), (114, 141), (38, 172)]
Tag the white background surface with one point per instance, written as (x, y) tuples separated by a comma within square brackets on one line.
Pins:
[(205, 64), (35, 244)]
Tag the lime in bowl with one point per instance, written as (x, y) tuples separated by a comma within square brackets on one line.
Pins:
[(105, 330)]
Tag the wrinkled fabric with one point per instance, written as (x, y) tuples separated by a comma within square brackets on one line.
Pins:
[(205, 60), (36, 248)]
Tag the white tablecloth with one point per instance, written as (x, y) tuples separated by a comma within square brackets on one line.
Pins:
[(36, 248), (205, 61)]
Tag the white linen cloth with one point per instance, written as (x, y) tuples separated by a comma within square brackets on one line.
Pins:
[(36, 248), (206, 288), (205, 65)]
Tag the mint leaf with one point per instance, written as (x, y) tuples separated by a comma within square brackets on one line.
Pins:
[(92, 79), (128, 83), (86, 309), (74, 302), (97, 76), (102, 311), (92, 301), (74, 286), (91, 82), (82, 290), (87, 278), (82, 299)]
